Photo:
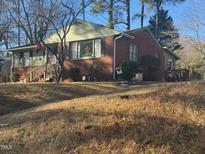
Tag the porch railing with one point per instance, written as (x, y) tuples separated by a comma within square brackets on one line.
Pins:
[(43, 72), (177, 75)]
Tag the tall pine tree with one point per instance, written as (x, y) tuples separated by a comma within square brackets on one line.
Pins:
[(115, 10), (157, 4), (168, 33)]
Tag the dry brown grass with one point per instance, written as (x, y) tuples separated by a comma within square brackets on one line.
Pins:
[(168, 119), (16, 97)]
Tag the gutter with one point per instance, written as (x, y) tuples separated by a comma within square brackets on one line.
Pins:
[(114, 56)]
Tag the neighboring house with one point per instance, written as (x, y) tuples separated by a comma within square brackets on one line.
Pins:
[(170, 60), (171, 73), (5, 69), (90, 43)]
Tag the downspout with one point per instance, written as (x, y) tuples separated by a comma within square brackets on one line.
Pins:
[(114, 56)]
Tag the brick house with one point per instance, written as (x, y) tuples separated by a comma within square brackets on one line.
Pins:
[(90, 43)]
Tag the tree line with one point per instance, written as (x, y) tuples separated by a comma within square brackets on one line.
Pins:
[(25, 21)]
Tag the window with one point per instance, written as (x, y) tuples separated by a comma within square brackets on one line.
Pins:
[(133, 52), (21, 54), (31, 53), (85, 49), (170, 64), (26, 58)]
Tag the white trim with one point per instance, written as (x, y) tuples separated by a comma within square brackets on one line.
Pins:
[(22, 48), (114, 55)]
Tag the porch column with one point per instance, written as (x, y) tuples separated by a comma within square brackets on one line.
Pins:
[(46, 60), (12, 63)]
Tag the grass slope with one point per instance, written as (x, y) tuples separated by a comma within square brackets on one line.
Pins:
[(168, 119), (16, 97)]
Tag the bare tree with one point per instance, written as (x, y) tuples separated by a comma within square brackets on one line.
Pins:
[(23, 15), (195, 25), (68, 15), (5, 25)]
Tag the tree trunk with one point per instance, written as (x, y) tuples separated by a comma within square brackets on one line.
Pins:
[(158, 4), (60, 73), (19, 30), (128, 14), (110, 15), (83, 3), (142, 15)]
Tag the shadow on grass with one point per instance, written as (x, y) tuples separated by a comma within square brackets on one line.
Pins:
[(9, 105), (144, 130), (17, 97)]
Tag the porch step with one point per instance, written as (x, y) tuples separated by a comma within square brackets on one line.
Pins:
[(38, 74)]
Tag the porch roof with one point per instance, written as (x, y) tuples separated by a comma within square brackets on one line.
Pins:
[(22, 48)]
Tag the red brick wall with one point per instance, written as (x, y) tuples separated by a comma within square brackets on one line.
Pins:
[(146, 46), (105, 59), (122, 50)]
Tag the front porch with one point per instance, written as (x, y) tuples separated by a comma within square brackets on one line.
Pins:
[(33, 64)]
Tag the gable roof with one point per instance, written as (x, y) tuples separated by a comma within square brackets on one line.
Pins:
[(148, 31), (83, 30), (165, 50)]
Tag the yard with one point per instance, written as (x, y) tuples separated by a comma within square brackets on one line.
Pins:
[(16, 97), (110, 119)]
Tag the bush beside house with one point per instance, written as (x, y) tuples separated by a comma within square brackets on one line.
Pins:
[(129, 69), (15, 77), (150, 65)]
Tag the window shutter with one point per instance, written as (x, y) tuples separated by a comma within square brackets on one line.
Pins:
[(135, 52), (131, 52), (74, 50), (98, 48)]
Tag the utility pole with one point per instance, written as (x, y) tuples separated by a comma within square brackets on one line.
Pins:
[(158, 3)]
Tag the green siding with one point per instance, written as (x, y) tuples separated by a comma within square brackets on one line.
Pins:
[(37, 59)]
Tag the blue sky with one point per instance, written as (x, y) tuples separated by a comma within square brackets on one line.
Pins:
[(180, 13)]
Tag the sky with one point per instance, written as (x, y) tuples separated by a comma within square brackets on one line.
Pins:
[(181, 13)]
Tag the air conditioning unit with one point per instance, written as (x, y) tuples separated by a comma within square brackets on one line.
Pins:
[(138, 77)]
